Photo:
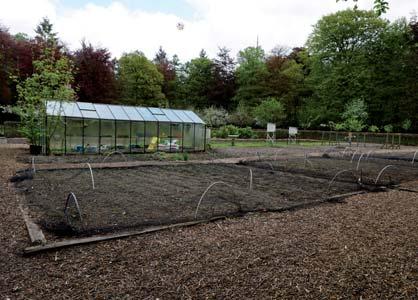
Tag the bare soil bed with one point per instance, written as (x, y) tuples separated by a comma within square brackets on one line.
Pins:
[(326, 168), (121, 157), (158, 195)]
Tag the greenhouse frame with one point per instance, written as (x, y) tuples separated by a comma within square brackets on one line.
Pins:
[(92, 128)]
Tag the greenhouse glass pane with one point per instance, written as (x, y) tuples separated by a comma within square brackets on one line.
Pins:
[(162, 118), (104, 112), (74, 136), (151, 137), (146, 114), (132, 113), (107, 135), (57, 140), (188, 140), (54, 108), (118, 112), (91, 136), (176, 136), (172, 116), (137, 138), (183, 116), (200, 137), (164, 140), (89, 114), (85, 106), (155, 111), (71, 110), (193, 116), (122, 136)]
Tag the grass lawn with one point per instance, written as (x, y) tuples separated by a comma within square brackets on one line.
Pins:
[(278, 144)]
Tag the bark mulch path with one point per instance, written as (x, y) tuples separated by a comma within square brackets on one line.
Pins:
[(365, 248)]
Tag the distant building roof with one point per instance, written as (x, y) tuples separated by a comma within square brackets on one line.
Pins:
[(120, 112)]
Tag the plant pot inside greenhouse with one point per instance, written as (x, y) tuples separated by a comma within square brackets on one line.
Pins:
[(35, 149)]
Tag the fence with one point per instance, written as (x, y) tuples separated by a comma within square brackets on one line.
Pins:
[(10, 129), (390, 140)]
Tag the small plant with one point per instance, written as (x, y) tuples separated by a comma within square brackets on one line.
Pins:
[(406, 124), (388, 128), (339, 126), (185, 156), (373, 128), (159, 155)]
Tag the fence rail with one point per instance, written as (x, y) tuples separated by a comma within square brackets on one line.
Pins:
[(10, 129), (390, 140)]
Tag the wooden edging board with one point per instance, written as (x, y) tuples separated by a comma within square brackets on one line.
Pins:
[(93, 239)]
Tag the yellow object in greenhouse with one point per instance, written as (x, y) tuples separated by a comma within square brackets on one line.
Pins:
[(153, 145)]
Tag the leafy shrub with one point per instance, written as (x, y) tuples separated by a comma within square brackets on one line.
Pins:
[(241, 117), (246, 132), (355, 115), (406, 124), (214, 117), (226, 130), (373, 128), (388, 128)]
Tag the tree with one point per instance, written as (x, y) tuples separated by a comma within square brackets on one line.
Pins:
[(251, 76), (223, 88), (52, 79), (340, 49), (140, 81), (15, 63), (45, 34), (94, 77), (270, 110), (285, 81), (198, 81), (380, 6), (409, 107), (168, 70)]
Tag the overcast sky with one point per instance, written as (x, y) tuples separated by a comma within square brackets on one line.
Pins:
[(127, 25)]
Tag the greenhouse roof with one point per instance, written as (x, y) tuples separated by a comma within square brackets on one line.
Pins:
[(120, 112)]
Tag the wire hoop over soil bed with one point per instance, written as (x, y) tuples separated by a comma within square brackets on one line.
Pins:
[(156, 195)]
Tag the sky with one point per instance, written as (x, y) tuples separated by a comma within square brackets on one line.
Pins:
[(145, 25)]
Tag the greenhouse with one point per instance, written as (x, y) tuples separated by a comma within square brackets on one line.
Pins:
[(88, 128)]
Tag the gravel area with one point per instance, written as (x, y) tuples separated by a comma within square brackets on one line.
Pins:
[(365, 248)]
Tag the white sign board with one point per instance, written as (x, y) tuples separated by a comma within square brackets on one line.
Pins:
[(271, 127), (208, 133), (293, 131)]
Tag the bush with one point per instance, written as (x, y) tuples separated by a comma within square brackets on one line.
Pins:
[(373, 128), (241, 117), (388, 128), (226, 130), (246, 132), (214, 117), (406, 124)]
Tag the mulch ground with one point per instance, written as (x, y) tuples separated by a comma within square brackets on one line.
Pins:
[(365, 248)]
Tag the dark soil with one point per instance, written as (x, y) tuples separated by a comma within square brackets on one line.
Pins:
[(118, 157), (326, 168), (154, 195)]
